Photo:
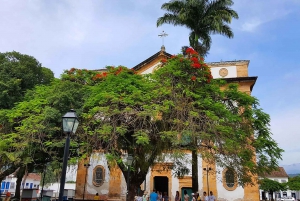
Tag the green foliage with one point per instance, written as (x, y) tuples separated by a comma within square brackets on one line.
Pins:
[(224, 124), (18, 73), (202, 17), (271, 185), (294, 183), (31, 134)]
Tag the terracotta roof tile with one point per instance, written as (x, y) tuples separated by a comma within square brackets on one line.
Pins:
[(277, 173), (34, 176)]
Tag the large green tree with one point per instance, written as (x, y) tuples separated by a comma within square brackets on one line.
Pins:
[(19, 72), (213, 118), (31, 132), (202, 17), (122, 117)]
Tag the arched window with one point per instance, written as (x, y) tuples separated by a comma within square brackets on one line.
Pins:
[(98, 175), (229, 178)]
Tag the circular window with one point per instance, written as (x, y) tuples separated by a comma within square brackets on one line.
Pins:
[(98, 175), (229, 180)]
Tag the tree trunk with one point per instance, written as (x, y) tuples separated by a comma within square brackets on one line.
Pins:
[(194, 170), (19, 175), (271, 194)]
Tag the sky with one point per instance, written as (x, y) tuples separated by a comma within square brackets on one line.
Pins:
[(92, 34)]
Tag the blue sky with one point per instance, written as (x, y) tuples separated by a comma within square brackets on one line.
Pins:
[(94, 33)]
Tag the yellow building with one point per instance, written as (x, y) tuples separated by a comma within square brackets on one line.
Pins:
[(110, 183)]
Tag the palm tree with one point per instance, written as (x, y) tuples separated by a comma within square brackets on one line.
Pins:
[(202, 17)]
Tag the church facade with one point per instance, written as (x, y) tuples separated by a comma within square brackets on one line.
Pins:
[(110, 182)]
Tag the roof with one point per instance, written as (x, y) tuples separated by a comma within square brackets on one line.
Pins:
[(236, 62), (34, 176), (153, 57), (277, 173)]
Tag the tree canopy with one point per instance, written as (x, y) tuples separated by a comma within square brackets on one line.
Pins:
[(222, 123), (19, 72), (202, 18), (294, 183)]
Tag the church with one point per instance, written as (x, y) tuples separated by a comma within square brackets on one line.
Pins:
[(94, 176)]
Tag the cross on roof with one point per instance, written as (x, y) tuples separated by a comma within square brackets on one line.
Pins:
[(162, 35)]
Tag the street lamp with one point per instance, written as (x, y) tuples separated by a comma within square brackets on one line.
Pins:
[(70, 124), (86, 165), (129, 163), (207, 169)]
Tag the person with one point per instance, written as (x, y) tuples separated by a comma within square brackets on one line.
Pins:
[(159, 196), (205, 197), (153, 196), (165, 197), (97, 197), (139, 198), (177, 196), (194, 197), (211, 197), (145, 196), (186, 196), (7, 196), (198, 198)]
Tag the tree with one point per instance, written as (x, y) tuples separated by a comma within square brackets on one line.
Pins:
[(271, 186), (213, 118), (122, 117), (202, 18), (19, 72), (32, 134), (294, 183)]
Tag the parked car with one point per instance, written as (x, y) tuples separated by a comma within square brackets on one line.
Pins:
[(287, 199)]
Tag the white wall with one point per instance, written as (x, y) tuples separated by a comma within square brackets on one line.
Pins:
[(224, 194)]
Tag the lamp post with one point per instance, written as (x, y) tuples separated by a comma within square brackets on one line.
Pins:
[(207, 169), (129, 163), (70, 124), (86, 165)]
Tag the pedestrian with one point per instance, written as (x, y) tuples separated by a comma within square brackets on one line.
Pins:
[(205, 197), (186, 196), (153, 196), (165, 197), (198, 196), (194, 197), (145, 196), (211, 197), (159, 196), (177, 196)]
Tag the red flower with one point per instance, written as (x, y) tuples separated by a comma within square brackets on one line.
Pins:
[(208, 81), (194, 59), (193, 78), (173, 56), (104, 74), (201, 58), (164, 60), (196, 65), (189, 50), (181, 59)]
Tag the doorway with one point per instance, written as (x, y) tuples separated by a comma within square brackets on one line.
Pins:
[(161, 184), (189, 192)]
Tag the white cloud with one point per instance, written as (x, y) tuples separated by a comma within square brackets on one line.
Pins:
[(257, 13)]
